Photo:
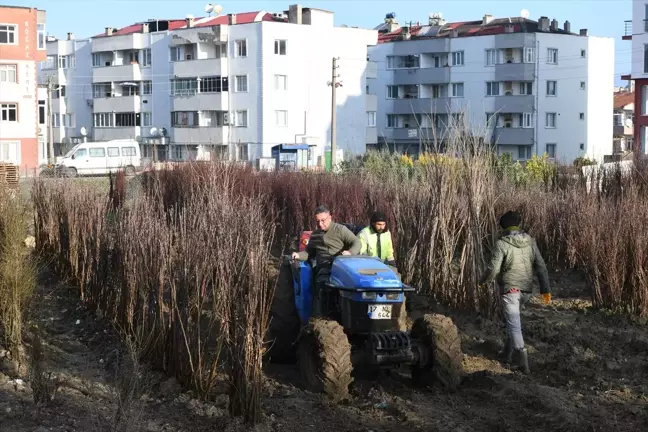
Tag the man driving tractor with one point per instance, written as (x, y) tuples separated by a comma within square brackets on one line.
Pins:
[(377, 241), (329, 240)]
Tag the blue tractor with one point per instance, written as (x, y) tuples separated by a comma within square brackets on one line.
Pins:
[(364, 326)]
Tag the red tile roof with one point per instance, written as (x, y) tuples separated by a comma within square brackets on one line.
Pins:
[(176, 24), (622, 99)]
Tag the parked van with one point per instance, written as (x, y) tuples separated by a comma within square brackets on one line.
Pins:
[(100, 157)]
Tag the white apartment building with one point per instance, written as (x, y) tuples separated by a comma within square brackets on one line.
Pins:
[(636, 31), (235, 85), (528, 87)]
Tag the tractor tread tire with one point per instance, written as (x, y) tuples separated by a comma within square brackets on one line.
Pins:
[(325, 359), (284, 320), (446, 367)]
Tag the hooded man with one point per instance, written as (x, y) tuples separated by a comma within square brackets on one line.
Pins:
[(515, 260), (377, 241)]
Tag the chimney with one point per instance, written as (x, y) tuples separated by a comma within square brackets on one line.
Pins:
[(567, 26), (543, 23), (487, 19), (454, 34), (109, 31), (70, 36), (190, 21), (583, 32), (295, 14), (554, 25), (509, 29), (232, 19), (145, 27), (406, 35)]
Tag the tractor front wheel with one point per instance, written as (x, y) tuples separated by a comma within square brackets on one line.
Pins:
[(324, 356), (439, 335)]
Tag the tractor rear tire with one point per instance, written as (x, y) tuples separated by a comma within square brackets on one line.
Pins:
[(324, 354), (284, 320), (441, 337)]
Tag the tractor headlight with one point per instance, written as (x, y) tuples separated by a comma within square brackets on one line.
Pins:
[(369, 296), (393, 296)]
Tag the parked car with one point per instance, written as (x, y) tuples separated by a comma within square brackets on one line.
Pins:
[(100, 157)]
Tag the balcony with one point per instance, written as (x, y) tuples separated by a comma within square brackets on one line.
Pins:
[(627, 30), (514, 72), (420, 106), (130, 72), (514, 136), (117, 104), (514, 104), (422, 76), (134, 41), (623, 130), (199, 135), (111, 133), (200, 67), (425, 134), (201, 102)]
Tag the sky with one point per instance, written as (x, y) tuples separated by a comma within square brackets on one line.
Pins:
[(87, 18)]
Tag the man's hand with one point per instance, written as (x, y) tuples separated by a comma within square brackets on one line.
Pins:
[(346, 253), (546, 298), (295, 256)]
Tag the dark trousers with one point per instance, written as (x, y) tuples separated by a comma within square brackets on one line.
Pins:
[(320, 291)]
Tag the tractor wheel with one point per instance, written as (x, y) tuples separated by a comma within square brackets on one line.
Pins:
[(324, 355), (284, 321), (441, 337)]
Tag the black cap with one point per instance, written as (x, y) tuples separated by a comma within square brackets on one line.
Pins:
[(510, 219), (378, 217)]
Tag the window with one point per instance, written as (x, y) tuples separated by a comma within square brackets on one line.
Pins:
[(241, 83), (184, 87), (41, 112), (221, 50), (552, 56), (128, 151), (242, 152), (176, 53), (184, 119), (582, 116), (550, 120), (582, 146), (97, 152), (583, 53), (56, 120), (529, 55), (8, 73), (551, 151), (8, 34), (281, 82), (582, 87), (10, 152), (67, 62), (371, 118), (552, 88), (392, 121), (212, 119), (457, 90), (146, 58), (131, 90), (40, 36), (489, 120), (9, 112), (146, 119), (241, 48), (491, 57), (645, 59), (147, 87), (113, 151), (403, 62), (527, 120), (392, 92), (458, 58), (128, 119), (281, 118), (280, 47), (68, 120), (524, 152), (440, 61), (96, 60), (214, 84), (526, 88), (241, 118), (80, 154), (492, 88)]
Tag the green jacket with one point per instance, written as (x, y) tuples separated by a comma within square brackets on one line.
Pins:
[(515, 260), (325, 245), (376, 245)]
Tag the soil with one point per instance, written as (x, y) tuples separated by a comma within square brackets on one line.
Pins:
[(588, 368)]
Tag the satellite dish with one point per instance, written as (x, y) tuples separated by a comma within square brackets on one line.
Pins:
[(153, 131), (83, 131), (524, 13), (628, 122), (209, 8), (217, 9)]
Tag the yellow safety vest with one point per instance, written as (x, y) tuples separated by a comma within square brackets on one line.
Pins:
[(376, 245)]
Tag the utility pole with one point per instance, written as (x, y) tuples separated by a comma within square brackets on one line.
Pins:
[(334, 85), (50, 132)]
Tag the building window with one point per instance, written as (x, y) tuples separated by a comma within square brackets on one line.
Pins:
[(184, 87), (9, 112), (241, 118), (551, 150), (68, 120), (103, 120), (242, 152), (281, 118), (552, 88), (212, 119), (552, 56), (146, 119), (403, 62), (41, 112), (241, 83), (526, 88), (529, 55), (392, 92), (96, 60), (40, 35), (56, 120), (215, 84), (582, 145), (241, 48), (524, 152), (550, 120), (147, 87), (280, 47), (527, 120), (582, 87), (10, 152), (8, 73), (371, 118), (583, 53), (392, 121), (493, 88), (146, 58), (128, 119), (8, 34), (457, 90), (458, 58), (281, 82), (184, 119), (491, 57), (582, 116)]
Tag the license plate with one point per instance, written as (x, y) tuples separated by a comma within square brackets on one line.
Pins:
[(380, 312)]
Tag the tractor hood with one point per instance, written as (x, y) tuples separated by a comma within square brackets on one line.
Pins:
[(363, 272)]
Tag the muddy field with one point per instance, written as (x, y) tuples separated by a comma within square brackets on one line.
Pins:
[(589, 373)]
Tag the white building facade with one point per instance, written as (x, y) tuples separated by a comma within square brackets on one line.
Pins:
[(233, 86), (636, 31), (527, 87)]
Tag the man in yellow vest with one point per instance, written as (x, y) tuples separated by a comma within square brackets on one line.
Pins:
[(377, 241)]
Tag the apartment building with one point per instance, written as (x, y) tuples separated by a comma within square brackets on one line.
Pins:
[(22, 45), (623, 121), (636, 31), (528, 87), (232, 85)]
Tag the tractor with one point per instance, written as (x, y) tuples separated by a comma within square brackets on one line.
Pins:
[(363, 327)]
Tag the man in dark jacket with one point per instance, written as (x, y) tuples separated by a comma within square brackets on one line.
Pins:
[(515, 260), (329, 240)]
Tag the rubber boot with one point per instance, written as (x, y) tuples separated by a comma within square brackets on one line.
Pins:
[(507, 353), (523, 361)]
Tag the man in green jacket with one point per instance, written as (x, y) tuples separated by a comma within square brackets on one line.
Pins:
[(377, 241), (515, 260), (329, 240)]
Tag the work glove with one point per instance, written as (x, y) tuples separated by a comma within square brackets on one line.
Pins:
[(546, 298)]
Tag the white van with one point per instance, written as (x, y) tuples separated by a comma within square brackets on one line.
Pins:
[(100, 157)]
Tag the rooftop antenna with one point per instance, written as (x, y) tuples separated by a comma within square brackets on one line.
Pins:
[(524, 13)]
